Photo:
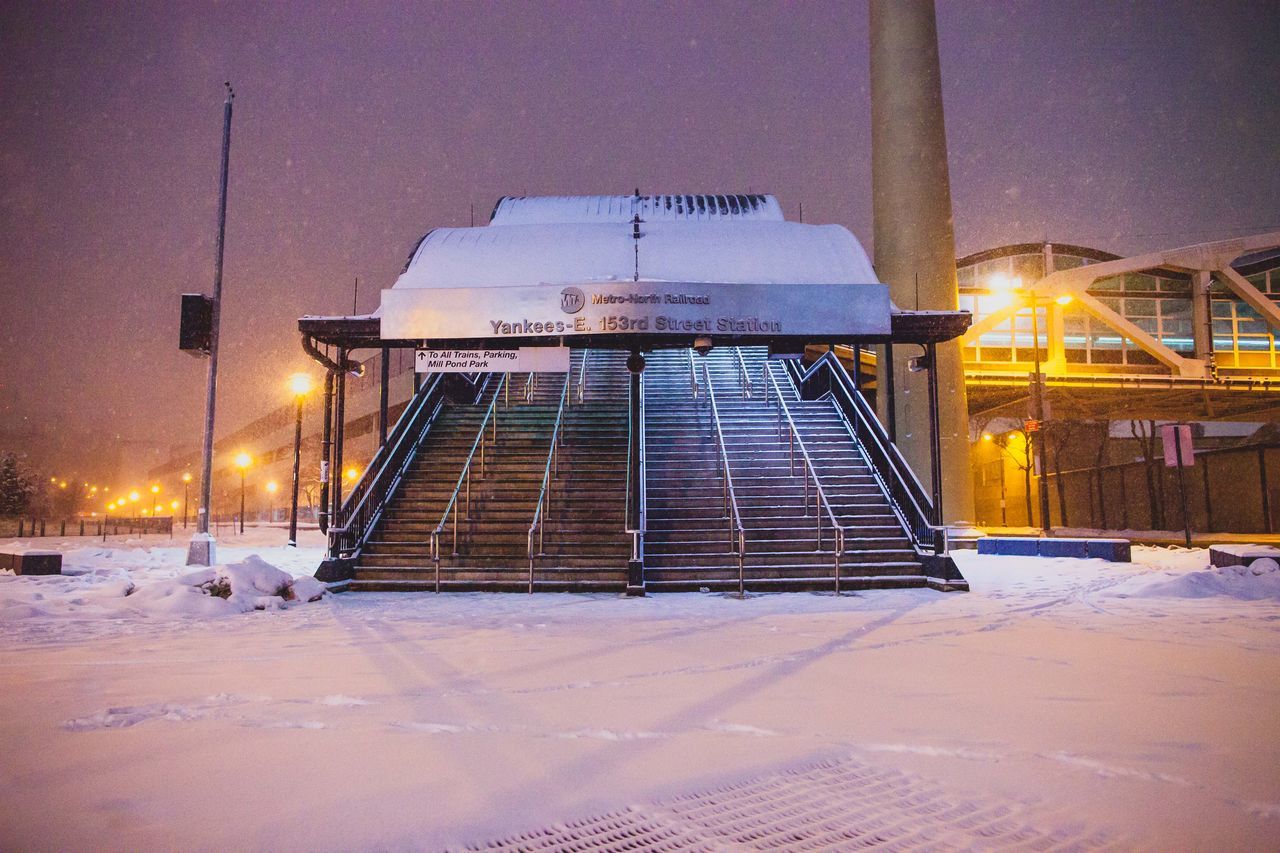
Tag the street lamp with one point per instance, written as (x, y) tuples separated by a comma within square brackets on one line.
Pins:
[(300, 384), (271, 501), (1004, 286), (243, 461), (186, 496)]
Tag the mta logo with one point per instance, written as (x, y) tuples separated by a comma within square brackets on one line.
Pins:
[(572, 300)]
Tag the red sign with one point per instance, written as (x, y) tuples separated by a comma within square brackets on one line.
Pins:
[(1032, 425)]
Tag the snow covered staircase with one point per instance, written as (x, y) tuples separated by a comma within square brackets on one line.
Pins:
[(583, 543), (688, 544)]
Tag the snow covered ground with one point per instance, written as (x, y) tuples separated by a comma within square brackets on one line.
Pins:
[(1061, 702)]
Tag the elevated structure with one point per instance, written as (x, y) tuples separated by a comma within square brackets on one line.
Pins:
[(1194, 329)]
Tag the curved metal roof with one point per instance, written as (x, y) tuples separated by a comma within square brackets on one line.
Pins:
[(550, 210), (578, 239)]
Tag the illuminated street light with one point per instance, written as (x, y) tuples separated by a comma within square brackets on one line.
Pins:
[(986, 436), (155, 489), (243, 461), (300, 384), (186, 496), (1064, 299), (133, 497), (352, 473), (272, 487)]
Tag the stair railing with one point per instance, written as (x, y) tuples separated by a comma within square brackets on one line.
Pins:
[(730, 495), (530, 386), (368, 498), (637, 505), (744, 375), (582, 376), (552, 471), (693, 375), (907, 497), (820, 500), (489, 424)]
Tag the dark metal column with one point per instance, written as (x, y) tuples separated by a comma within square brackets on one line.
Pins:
[(857, 367), (326, 452), (635, 427), (889, 396), (339, 423), (382, 396), (935, 446)]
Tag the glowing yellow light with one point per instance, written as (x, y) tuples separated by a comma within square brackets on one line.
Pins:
[(53, 479), (155, 490), (133, 497), (986, 436), (111, 505), (173, 505), (300, 384), (144, 512), (62, 485), (243, 460), (94, 489), (352, 473), (1001, 283), (186, 476), (158, 509), (272, 486), (1064, 299)]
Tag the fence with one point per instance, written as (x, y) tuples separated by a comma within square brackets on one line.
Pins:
[(1229, 490), (25, 526)]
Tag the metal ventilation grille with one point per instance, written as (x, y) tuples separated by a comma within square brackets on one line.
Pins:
[(840, 804)]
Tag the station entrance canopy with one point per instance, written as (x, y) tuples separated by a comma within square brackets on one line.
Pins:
[(636, 272)]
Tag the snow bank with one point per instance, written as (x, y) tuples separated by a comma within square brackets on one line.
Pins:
[(1256, 582), (112, 582)]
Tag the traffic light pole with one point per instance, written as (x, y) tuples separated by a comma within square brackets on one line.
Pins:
[(201, 551)]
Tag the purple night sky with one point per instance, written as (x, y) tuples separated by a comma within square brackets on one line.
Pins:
[(1125, 126)]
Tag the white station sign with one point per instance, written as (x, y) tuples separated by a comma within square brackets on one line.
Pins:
[(518, 360), (643, 307)]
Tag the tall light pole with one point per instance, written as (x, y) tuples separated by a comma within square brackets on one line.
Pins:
[(186, 496), (201, 550), (271, 487), (300, 384), (1037, 414), (243, 461)]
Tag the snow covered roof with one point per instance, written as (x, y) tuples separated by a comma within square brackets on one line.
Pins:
[(583, 239), (548, 210)]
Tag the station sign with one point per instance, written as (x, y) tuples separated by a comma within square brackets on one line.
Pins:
[(636, 308), (517, 360)]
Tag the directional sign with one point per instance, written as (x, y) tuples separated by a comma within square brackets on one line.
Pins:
[(519, 360)]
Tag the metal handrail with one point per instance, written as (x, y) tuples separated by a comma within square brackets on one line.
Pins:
[(582, 376), (363, 506), (552, 470), (907, 496), (465, 476), (744, 375), (820, 495), (530, 386), (693, 374), (638, 529), (730, 495)]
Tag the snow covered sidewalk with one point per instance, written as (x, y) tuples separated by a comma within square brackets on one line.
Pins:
[(1060, 702)]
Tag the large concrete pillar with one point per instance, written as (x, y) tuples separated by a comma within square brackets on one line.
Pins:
[(914, 241)]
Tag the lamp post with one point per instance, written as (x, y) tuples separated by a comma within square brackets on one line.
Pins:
[(271, 501), (300, 384), (1002, 287), (243, 461), (186, 496)]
